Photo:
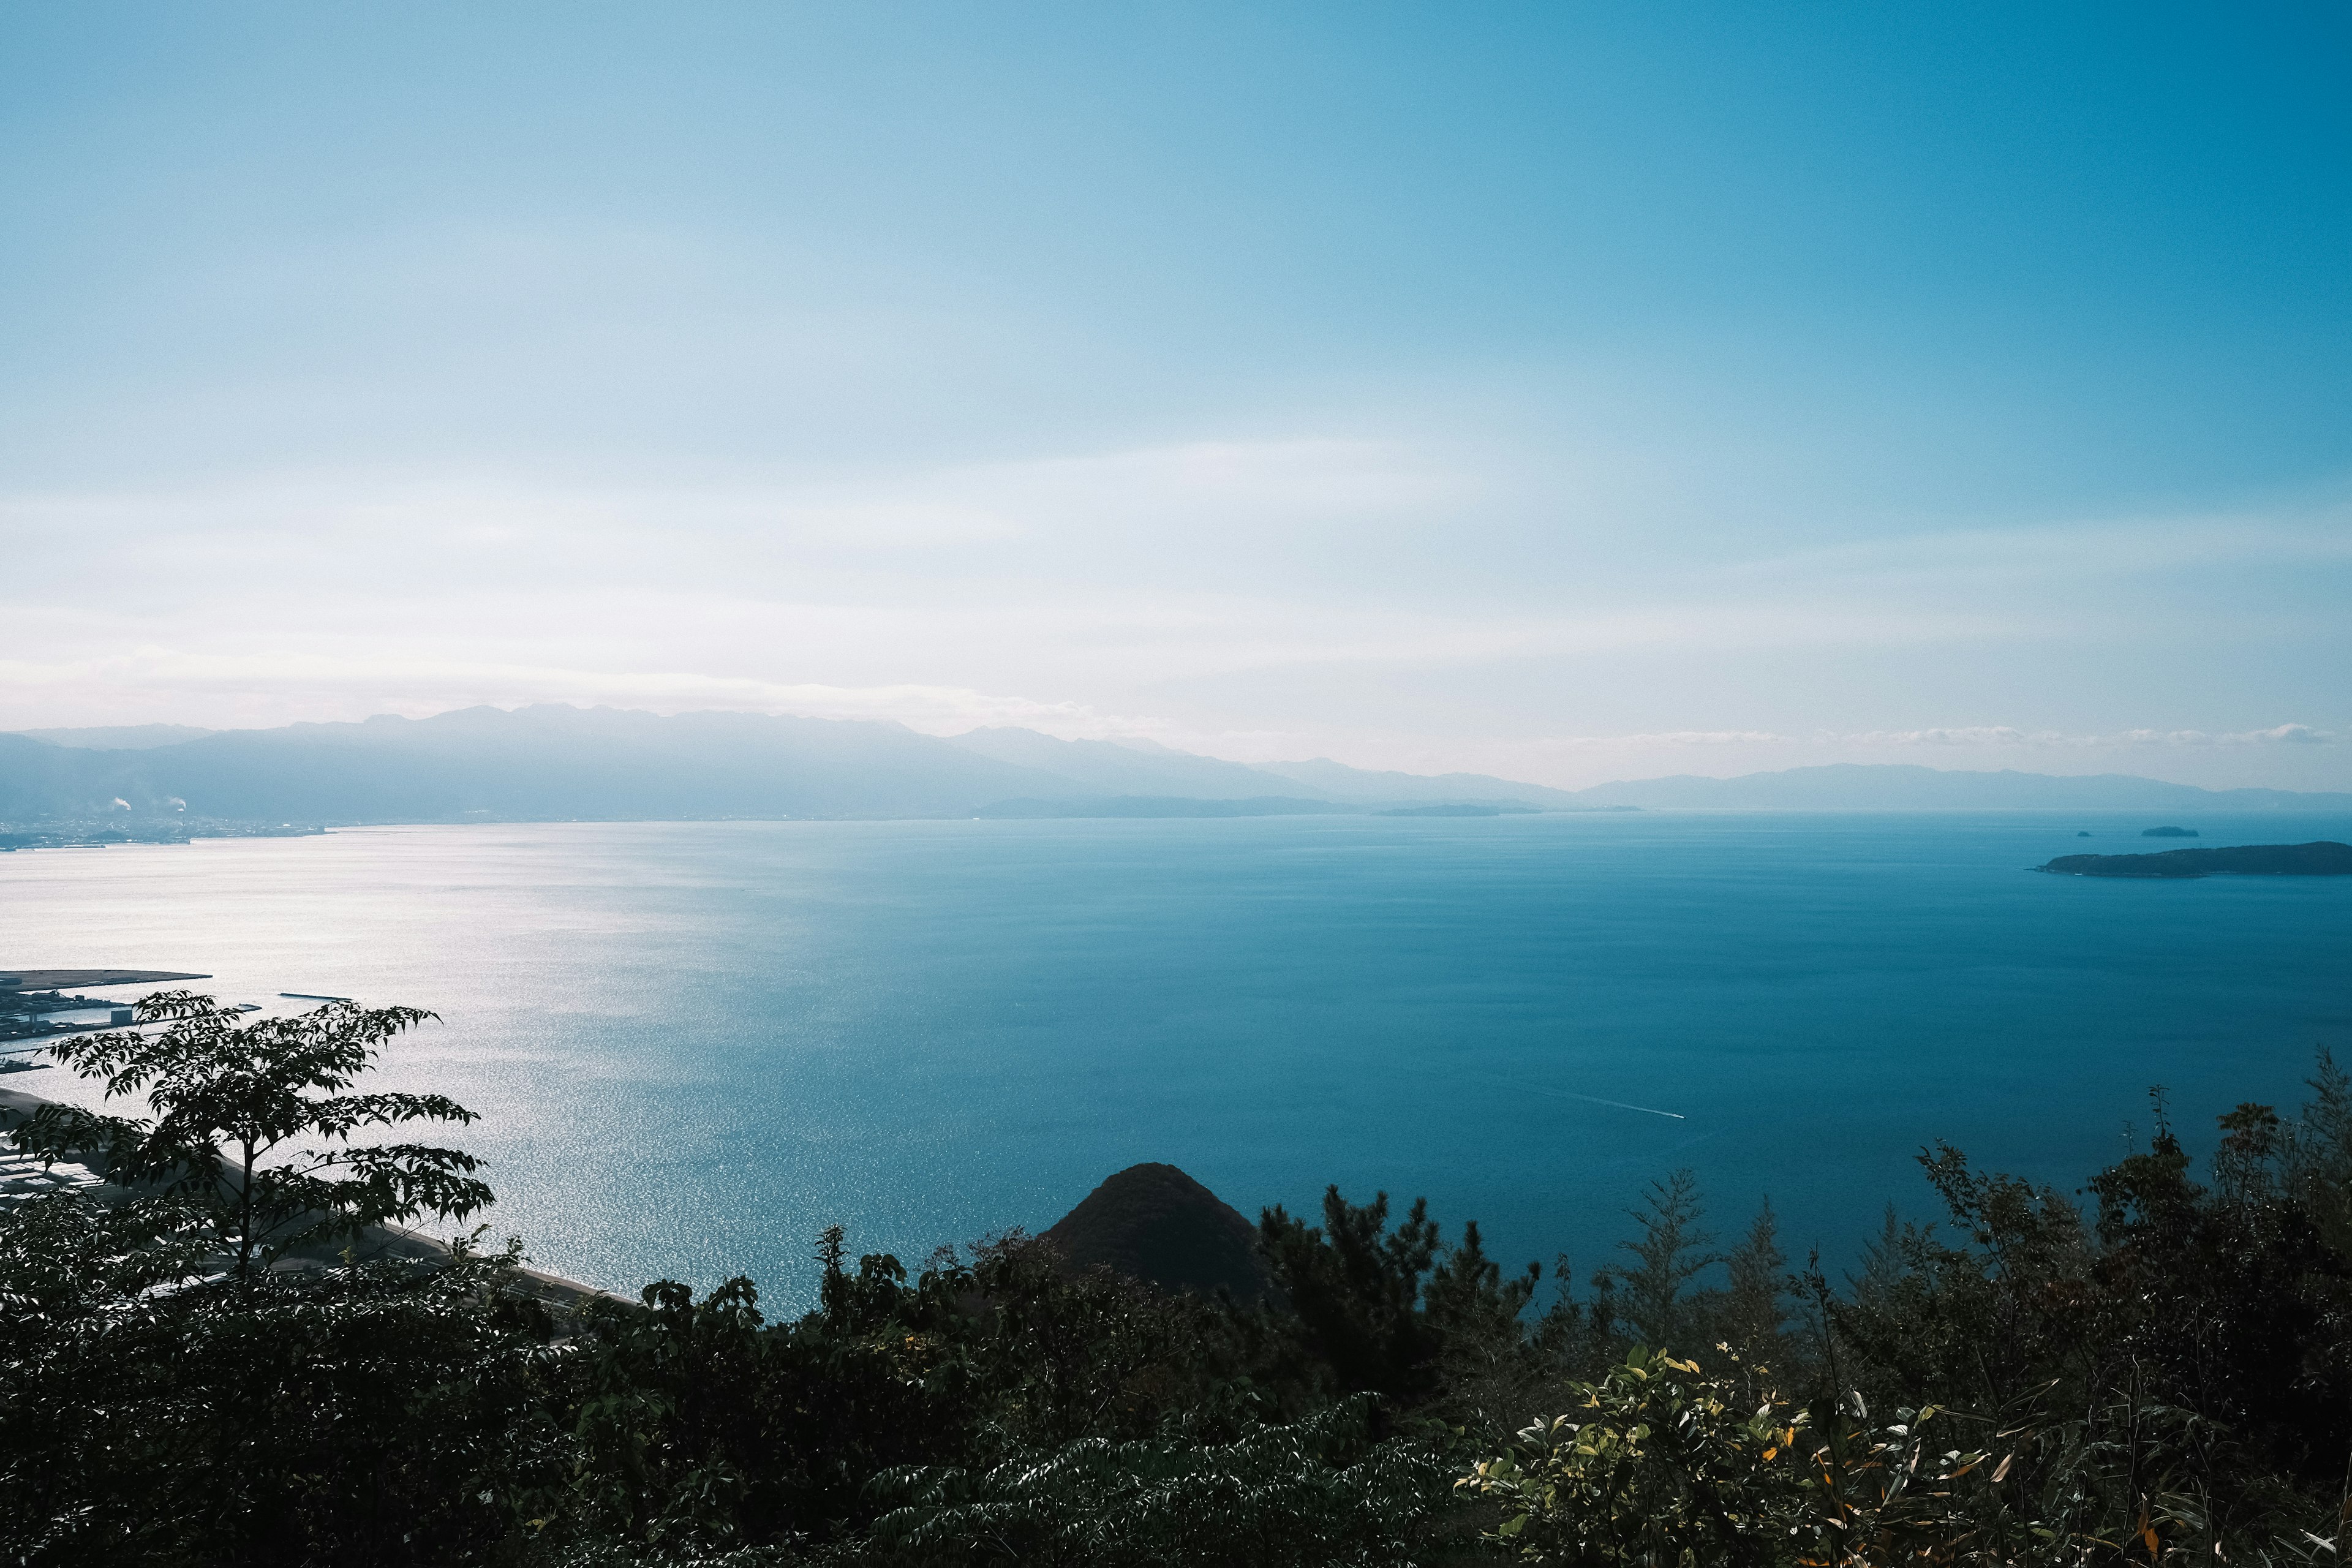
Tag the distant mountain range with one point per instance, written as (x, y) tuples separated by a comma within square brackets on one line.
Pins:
[(121, 737), (558, 762), (1899, 786)]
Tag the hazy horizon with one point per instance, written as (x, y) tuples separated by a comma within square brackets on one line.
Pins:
[(1560, 395), (150, 736)]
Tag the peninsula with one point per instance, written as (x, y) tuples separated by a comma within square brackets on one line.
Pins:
[(2322, 858)]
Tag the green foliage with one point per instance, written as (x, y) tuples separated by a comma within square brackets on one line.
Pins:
[(229, 1098), (1390, 1312), (699, 1428), (1669, 1254), (1353, 1286), (1754, 1308), (2164, 1383), (358, 1416), (62, 1257), (1319, 1490), (1656, 1462), (2163, 1374)]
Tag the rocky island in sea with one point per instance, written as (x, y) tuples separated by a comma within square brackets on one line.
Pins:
[(2322, 857)]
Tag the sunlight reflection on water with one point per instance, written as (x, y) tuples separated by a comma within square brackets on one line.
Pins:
[(693, 1045)]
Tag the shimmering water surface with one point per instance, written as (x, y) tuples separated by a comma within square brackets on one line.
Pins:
[(693, 1045)]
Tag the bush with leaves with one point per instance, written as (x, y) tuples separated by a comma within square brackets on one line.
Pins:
[(381, 1414), (1319, 1491), (1659, 1462), (2175, 1372)]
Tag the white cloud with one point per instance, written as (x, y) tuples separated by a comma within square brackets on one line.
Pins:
[(2004, 735), (351, 688), (1273, 483), (1277, 595), (1957, 737), (1662, 739), (2075, 549)]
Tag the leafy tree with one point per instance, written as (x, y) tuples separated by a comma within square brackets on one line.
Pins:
[(1671, 1252), (1753, 1313), (1485, 1356), (230, 1097), (1355, 1288), (2233, 1302), (1883, 1267), (2317, 1156)]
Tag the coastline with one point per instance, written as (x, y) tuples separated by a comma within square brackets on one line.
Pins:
[(374, 1242)]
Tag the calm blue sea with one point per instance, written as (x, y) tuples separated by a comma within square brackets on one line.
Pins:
[(693, 1045)]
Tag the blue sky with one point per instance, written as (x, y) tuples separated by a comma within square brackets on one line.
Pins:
[(1568, 392)]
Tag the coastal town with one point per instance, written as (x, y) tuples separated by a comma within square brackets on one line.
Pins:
[(41, 1004), (99, 833)]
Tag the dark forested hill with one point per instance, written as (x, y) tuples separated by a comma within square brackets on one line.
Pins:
[(2322, 858)]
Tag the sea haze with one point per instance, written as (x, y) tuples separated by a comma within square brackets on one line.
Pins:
[(694, 1044)]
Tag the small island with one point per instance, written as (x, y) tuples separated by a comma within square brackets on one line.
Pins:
[(2322, 858), (2168, 833)]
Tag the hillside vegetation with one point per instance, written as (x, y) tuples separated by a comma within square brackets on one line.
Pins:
[(2155, 1370)]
